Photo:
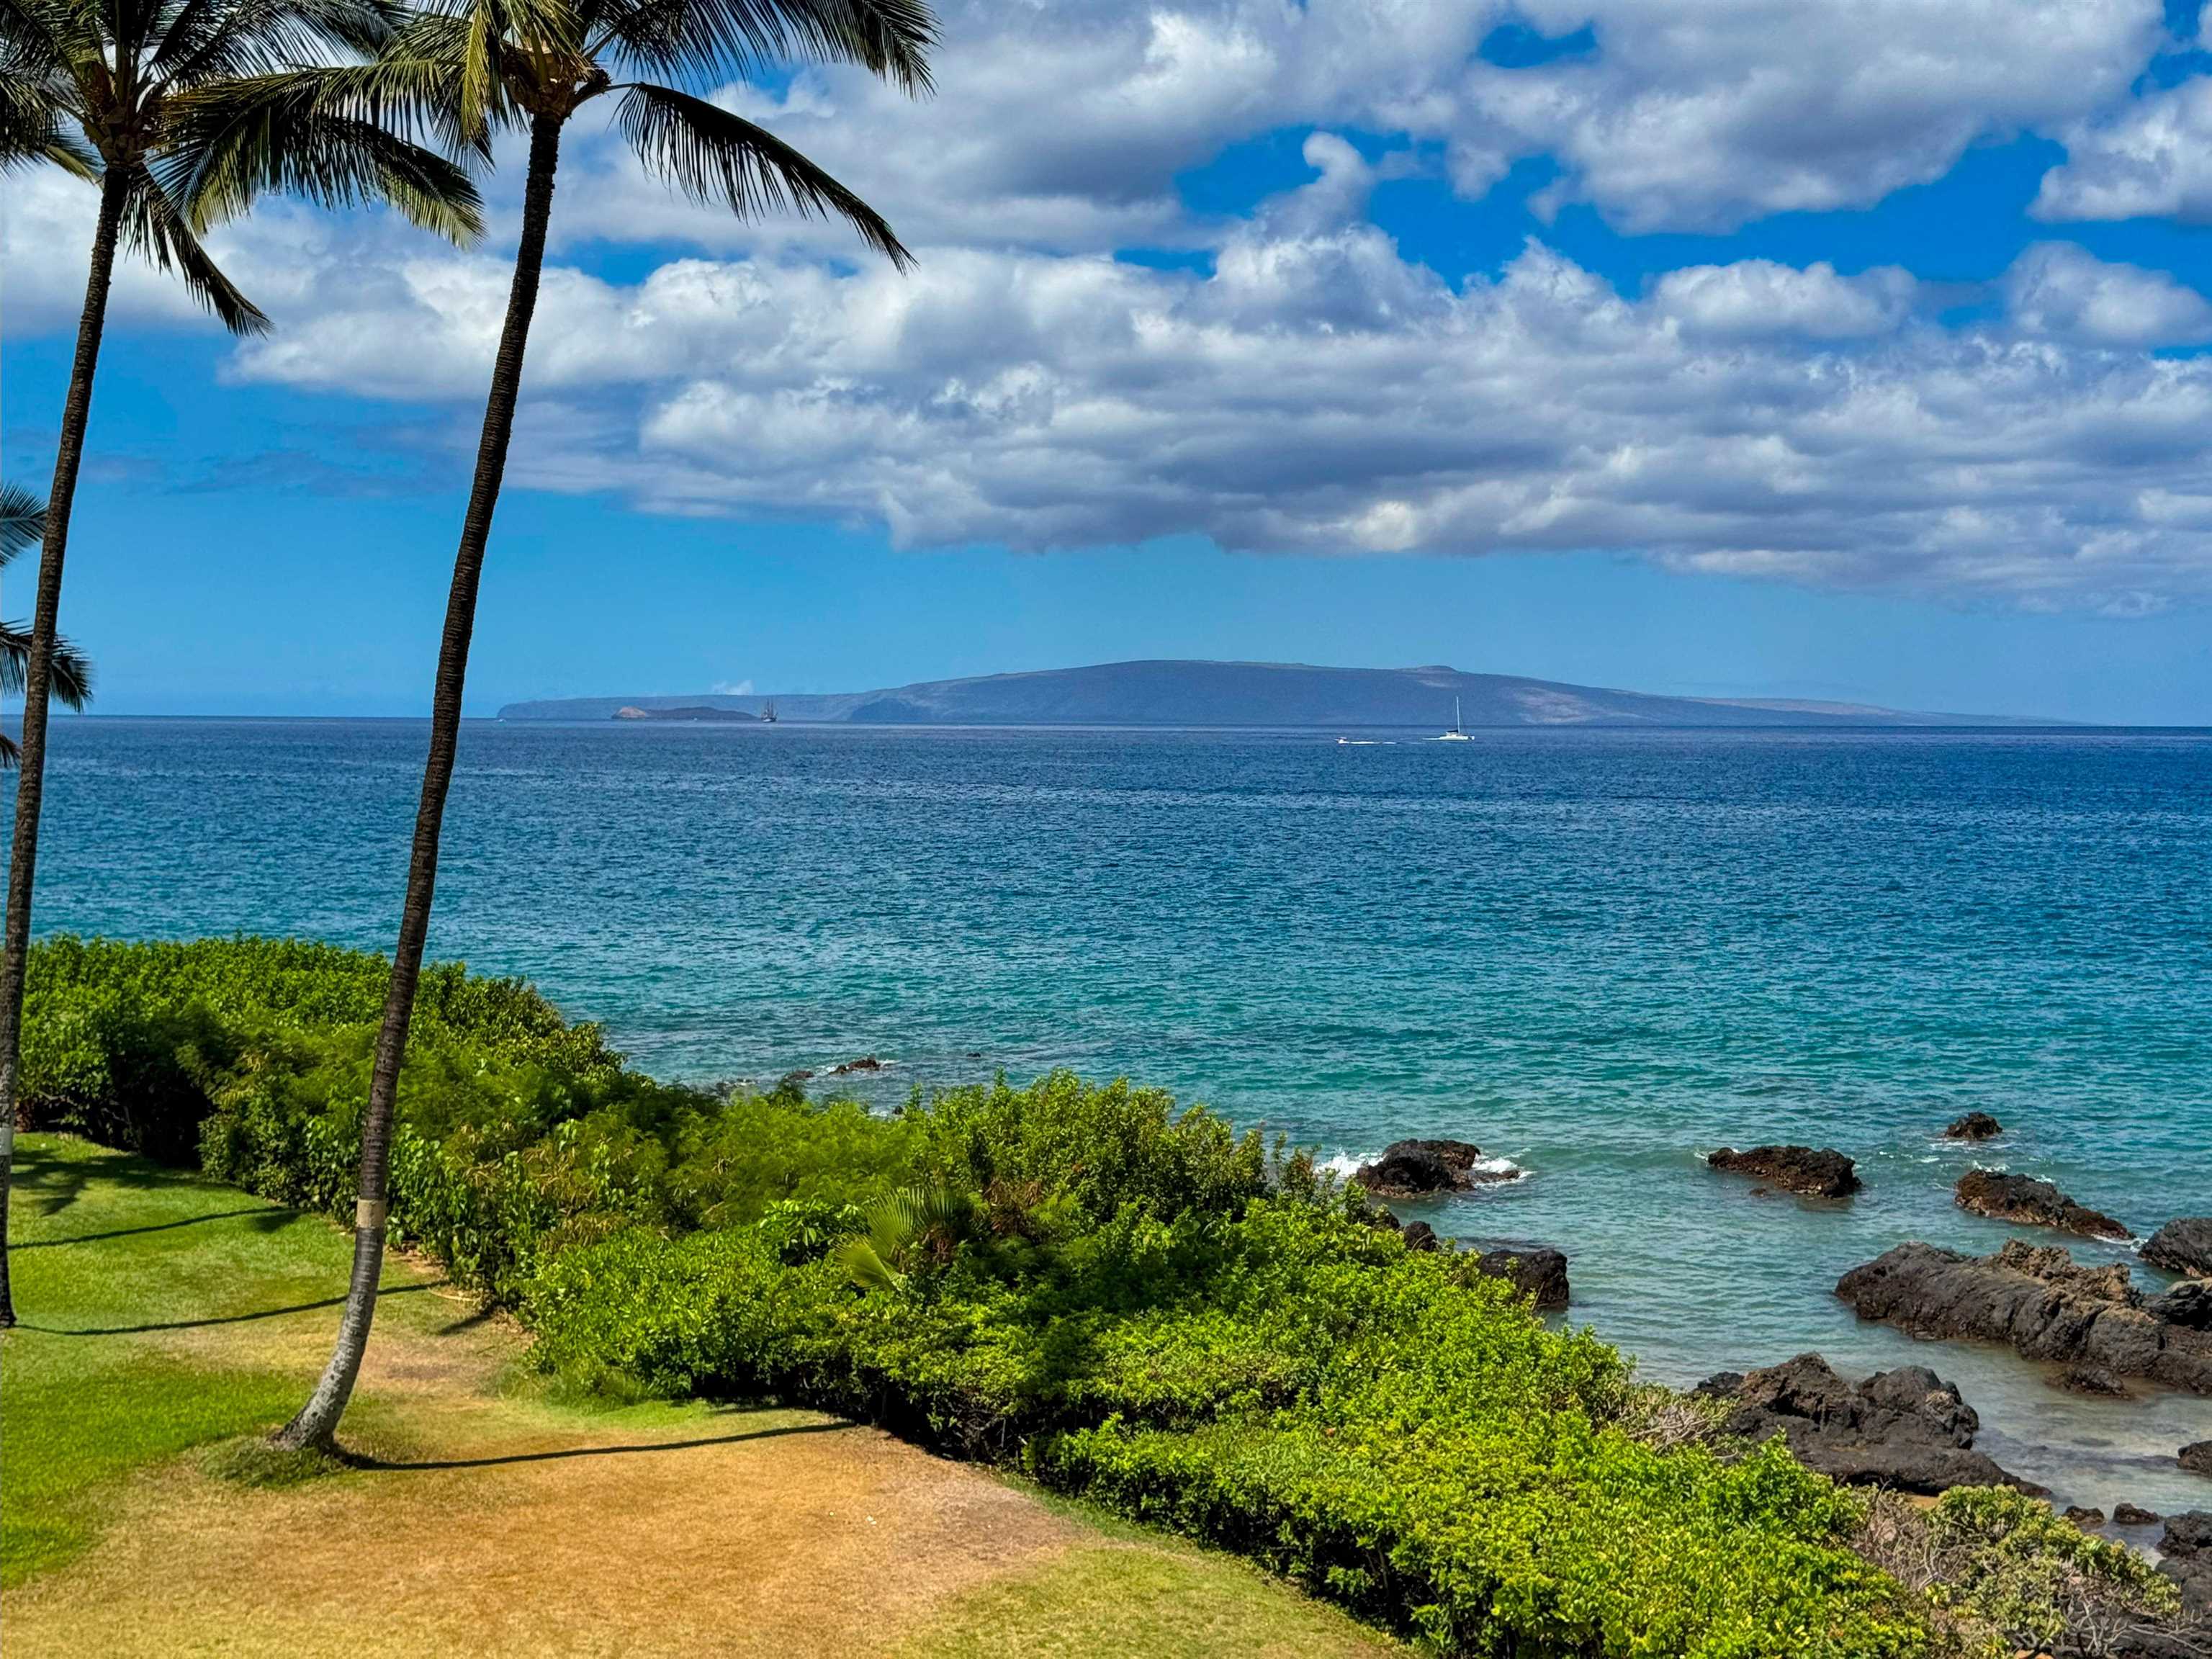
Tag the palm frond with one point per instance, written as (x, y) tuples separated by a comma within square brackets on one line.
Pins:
[(210, 41), (230, 142), (23, 520), (69, 671), (718, 39), (912, 1226), (153, 226), (713, 156)]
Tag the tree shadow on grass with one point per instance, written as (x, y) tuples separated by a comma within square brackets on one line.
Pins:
[(51, 1183), (262, 1216), (360, 1460), (220, 1319)]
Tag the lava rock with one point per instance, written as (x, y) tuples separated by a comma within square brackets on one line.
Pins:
[(1421, 1237), (2130, 1515), (865, 1063), (1537, 1269), (1817, 1172), (2087, 1520), (1974, 1126), (2032, 1203), (2197, 1458), (1906, 1429), (2182, 1247), (2093, 1380), (2044, 1303), (1417, 1169), (2188, 1304)]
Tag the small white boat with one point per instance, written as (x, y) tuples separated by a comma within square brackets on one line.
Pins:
[(1455, 735)]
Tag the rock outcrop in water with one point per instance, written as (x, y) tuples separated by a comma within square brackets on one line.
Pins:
[(2197, 1458), (2182, 1247), (1907, 1429), (1821, 1172), (2045, 1305), (1974, 1126), (2032, 1203), (1537, 1269), (1422, 1168)]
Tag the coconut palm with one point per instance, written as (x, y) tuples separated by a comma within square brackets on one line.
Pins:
[(22, 521), (135, 96), (493, 67)]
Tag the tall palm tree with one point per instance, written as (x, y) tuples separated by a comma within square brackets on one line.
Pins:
[(22, 521), (529, 66), (139, 97)]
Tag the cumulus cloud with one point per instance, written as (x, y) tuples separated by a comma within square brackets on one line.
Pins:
[(1065, 127), (1756, 298), (2063, 291), (2151, 157), (1317, 392)]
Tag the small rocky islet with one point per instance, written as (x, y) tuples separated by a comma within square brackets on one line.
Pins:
[(2028, 1202), (2045, 1305), (1809, 1171), (1429, 1168)]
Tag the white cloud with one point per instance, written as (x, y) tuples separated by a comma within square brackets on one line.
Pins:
[(2063, 291), (1758, 298), (1317, 392), (2149, 158)]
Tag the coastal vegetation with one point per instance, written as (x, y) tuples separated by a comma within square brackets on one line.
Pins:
[(1127, 1303)]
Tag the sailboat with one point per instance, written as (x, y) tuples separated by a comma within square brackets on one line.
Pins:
[(1455, 735)]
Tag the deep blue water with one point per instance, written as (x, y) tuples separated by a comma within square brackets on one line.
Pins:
[(1594, 953)]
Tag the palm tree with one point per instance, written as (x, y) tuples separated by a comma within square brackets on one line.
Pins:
[(492, 66), (22, 521), (141, 98)]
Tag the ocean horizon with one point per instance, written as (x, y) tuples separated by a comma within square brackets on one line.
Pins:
[(1597, 954)]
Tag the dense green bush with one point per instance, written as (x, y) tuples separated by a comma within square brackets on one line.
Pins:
[(517, 1133), (1126, 1300)]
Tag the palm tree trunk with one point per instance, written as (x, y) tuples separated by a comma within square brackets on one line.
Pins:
[(38, 675), (317, 1424)]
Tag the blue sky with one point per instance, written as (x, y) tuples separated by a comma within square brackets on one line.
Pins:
[(1527, 341)]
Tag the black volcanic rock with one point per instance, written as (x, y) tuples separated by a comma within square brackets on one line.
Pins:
[(2182, 1247), (1537, 1269), (1420, 1236), (2042, 1303), (1820, 1172), (1419, 1169), (2133, 1515), (2197, 1458), (1906, 1429), (1974, 1126), (2032, 1203), (2188, 1304)]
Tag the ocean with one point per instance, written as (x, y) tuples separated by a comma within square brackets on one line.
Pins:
[(1597, 954)]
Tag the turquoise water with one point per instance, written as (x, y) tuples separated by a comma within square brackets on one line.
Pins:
[(1595, 954)]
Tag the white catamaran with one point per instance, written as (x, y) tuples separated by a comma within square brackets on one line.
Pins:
[(1455, 735)]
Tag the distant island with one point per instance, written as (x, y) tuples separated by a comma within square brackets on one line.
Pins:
[(687, 711), (1241, 695)]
